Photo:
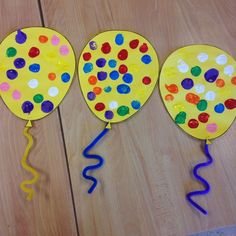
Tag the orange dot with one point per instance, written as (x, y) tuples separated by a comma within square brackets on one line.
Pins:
[(169, 97), (220, 83), (52, 76), (233, 80), (172, 88), (43, 39), (192, 98), (97, 90), (92, 80)]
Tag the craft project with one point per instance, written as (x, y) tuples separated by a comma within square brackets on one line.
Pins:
[(198, 88), (118, 71), (36, 70)]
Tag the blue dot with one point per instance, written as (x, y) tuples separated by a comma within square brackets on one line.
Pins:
[(136, 104), (114, 75), (34, 68), (119, 39), (127, 78), (91, 96), (101, 62), (107, 89), (219, 108), (65, 77), (146, 59), (88, 67), (123, 89), (102, 75), (112, 63)]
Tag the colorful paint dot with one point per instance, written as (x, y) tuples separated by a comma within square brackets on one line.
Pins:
[(229, 70), (53, 91), (113, 105), (182, 66), (123, 89), (127, 78), (52, 76), (34, 68), (219, 108), (65, 77), (87, 56), (114, 75), (220, 83), (230, 103), (97, 90), (123, 54), (91, 96), (211, 75), (102, 75), (108, 89), (211, 128), (4, 86), (38, 98), (123, 69), (203, 117), (27, 107), (106, 48), (92, 80), (64, 50), (119, 39), (33, 83), (101, 62), (221, 59), (196, 71), (55, 40), (233, 80), (33, 52), (202, 57), (136, 104), (43, 38), (202, 105), (146, 59), (12, 74), (187, 83), (112, 63), (143, 48), (134, 43), (21, 37), (109, 115), (99, 106), (193, 124), (88, 67), (192, 98), (16, 95), (11, 52), (210, 96), (93, 45), (199, 88), (169, 97), (123, 110), (180, 117), (47, 106), (146, 80), (19, 63), (172, 88)]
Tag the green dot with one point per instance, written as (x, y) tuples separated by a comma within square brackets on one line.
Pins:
[(123, 110), (38, 98), (180, 118), (11, 52), (196, 71), (202, 105)]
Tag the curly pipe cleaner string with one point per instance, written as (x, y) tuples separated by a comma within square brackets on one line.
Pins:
[(29, 191), (201, 180), (94, 156)]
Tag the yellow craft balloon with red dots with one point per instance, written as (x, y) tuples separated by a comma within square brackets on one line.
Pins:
[(36, 70), (118, 71), (198, 88)]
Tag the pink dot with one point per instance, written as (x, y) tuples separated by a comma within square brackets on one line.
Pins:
[(4, 86), (55, 40), (16, 95), (64, 50), (211, 128)]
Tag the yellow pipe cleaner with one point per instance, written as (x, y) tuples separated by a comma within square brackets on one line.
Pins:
[(24, 164)]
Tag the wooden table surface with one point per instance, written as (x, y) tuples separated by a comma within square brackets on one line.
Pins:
[(148, 159)]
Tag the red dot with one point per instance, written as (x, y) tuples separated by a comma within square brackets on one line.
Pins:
[(123, 54), (43, 39), (193, 123), (134, 43), (230, 103), (123, 69), (203, 117), (147, 80), (34, 52), (87, 56), (143, 48), (106, 48), (99, 106)]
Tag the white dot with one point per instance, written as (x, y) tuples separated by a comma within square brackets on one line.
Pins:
[(210, 96), (229, 70), (182, 66), (221, 59), (33, 83), (113, 105), (199, 88), (53, 91), (202, 57)]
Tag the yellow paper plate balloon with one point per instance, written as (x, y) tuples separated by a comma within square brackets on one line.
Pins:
[(198, 88), (118, 71)]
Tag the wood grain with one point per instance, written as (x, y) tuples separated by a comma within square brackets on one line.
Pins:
[(50, 213)]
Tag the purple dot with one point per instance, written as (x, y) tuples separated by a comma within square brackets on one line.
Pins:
[(102, 75), (187, 83), (27, 107), (109, 115), (93, 45), (101, 62), (12, 74), (20, 37), (91, 96), (211, 75), (19, 63), (47, 106)]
